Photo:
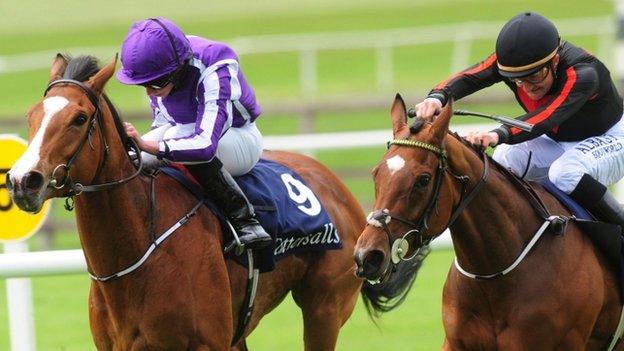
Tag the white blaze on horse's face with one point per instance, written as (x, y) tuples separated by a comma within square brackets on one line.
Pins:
[(30, 158), (395, 164)]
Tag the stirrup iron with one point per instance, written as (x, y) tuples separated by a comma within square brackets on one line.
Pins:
[(234, 244)]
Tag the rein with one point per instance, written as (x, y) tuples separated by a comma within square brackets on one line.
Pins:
[(74, 187), (400, 247), (381, 218)]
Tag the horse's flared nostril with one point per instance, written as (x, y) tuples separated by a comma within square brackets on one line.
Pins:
[(32, 181), (369, 264)]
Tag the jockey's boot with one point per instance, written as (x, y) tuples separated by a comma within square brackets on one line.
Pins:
[(594, 196), (609, 209), (226, 194)]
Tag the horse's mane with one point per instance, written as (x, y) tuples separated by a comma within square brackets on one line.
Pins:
[(419, 123), (82, 68), (479, 150)]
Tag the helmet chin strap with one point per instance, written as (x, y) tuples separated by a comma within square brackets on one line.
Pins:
[(553, 69), (180, 77), (553, 66)]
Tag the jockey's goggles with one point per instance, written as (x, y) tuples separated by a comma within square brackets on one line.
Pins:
[(160, 82), (534, 78), (163, 81)]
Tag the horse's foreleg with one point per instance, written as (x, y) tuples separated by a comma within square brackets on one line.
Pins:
[(99, 320), (446, 346), (324, 313), (240, 346), (320, 328), (326, 303)]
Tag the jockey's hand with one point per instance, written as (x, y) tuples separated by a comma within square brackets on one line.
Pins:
[(149, 146), (132, 132), (484, 139), (428, 108)]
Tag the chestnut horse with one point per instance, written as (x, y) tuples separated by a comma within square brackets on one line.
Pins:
[(186, 295), (504, 292)]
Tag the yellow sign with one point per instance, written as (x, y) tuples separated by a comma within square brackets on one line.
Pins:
[(15, 224)]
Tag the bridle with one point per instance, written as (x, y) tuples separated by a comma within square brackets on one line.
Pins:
[(76, 188), (381, 218)]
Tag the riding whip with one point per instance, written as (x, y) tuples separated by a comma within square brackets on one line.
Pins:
[(527, 127)]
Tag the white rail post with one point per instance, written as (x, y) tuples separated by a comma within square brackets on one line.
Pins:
[(462, 44), (308, 72), (385, 68), (20, 306), (308, 82)]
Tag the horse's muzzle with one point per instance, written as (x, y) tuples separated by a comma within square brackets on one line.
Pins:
[(26, 193), (369, 264)]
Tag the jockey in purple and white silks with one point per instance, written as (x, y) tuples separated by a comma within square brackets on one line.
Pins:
[(204, 112)]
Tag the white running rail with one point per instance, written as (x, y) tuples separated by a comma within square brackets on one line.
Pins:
[(383, 42)]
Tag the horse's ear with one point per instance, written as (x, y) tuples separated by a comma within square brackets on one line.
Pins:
[(98, 81), (441, 123), (398, 113), (58, 67)]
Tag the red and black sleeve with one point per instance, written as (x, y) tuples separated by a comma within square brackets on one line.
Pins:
[(468, 81)]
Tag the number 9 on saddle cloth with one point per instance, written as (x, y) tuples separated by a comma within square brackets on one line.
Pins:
[(285, 206)]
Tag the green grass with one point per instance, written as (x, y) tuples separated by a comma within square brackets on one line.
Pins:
[(32, 26), (62, 320), (274, 76)]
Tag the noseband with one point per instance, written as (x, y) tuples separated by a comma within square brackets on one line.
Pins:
[(381, 218), (74, 187)]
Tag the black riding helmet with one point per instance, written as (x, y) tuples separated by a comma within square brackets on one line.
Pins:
[(525, 44)]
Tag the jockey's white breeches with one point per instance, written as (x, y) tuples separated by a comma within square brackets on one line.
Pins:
[(564, 163)]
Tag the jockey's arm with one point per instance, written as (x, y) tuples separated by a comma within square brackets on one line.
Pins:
[(459, 85), (213, 120)]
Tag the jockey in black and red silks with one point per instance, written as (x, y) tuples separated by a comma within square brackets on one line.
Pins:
[(577, 141)]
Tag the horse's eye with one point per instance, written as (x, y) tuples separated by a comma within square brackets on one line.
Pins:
[(423, 180), (80, 120)]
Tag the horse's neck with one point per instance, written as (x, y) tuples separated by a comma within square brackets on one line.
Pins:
[(494, 228), (113, 224)]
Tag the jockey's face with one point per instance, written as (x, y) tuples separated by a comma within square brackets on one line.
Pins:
[(535, 88), (161, 93)]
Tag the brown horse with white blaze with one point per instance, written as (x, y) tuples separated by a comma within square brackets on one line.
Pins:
[(186, 295), (558, 293)]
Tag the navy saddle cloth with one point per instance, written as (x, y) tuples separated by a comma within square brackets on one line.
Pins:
[(567, 201), (285, 206)]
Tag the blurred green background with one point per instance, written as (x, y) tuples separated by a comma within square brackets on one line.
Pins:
[(35, 30)]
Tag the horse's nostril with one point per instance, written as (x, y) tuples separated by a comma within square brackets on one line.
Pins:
[(373, 260), (32, 181), (369, 264)]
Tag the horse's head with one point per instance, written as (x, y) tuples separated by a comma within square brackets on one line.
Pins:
[(409, 211), (63, 133)]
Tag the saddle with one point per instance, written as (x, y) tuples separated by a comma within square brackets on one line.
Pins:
[(285, 206)]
